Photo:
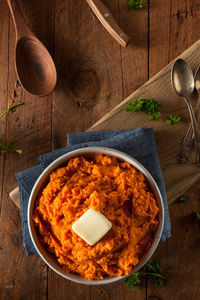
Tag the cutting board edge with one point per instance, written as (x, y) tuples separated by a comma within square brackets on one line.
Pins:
[(137, 92)]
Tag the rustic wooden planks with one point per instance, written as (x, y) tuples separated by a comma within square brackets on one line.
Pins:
[(29, 127), (117, 290), (134, 59), (159, 35), (182, 277), (180, 255), (95, 74), (89, 69), (4, 36)]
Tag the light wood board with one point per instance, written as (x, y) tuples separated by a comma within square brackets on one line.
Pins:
[(178, 177)]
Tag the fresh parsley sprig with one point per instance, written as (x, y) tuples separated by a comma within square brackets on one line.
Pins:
[(173, 119), (147, 105), (9, 148), (135, 4), (150, 107), (151, 270)]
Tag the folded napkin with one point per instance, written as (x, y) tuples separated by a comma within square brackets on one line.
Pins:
[(138, 143)]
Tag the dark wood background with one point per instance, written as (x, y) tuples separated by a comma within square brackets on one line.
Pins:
[(94, 75)]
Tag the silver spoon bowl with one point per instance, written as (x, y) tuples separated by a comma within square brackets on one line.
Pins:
[(183, 84), (183, 155)]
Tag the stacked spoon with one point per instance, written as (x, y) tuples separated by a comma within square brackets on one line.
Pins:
[(184, 84)]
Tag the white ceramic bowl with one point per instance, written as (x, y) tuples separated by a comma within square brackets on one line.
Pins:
[(43, 179)]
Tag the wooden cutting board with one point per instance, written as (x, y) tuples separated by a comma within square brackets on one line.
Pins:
[(178, 177)]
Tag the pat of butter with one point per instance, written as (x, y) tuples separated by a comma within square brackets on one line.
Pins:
[(92, 226)]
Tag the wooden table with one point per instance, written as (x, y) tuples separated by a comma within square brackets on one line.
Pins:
[(94, 75)]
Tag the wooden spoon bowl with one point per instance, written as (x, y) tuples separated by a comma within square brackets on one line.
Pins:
[(34, 66)]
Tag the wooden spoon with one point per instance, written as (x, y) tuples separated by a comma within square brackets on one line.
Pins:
[(34, 66), (107, 20)]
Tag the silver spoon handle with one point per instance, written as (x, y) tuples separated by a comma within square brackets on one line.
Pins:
[(183, 155), (195, 130)]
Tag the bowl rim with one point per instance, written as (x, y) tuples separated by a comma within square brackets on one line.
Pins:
[(64, 159)]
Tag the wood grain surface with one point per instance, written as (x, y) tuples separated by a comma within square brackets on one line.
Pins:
[(94, 75)]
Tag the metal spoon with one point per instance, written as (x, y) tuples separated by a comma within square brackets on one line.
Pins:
[(183, 84), (34, 66), (183, 156)]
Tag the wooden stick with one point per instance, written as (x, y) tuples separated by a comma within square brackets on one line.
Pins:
[(107, 20)]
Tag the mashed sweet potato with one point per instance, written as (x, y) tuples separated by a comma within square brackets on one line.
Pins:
[(118, 191)]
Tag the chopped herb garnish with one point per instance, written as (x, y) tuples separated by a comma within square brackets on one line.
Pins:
[(148, 106), (9, 148), (155, 116), (135, 4), (197, 215), (173, 119), (151, 270), (183, 199), (132, 281)]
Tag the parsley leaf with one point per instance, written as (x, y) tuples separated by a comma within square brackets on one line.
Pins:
[(197, 215), (9, 148), (155, 116), (183, 199), (135, 4), (151, 270), (132, 281), (173, 119), (148, 106), (19, 151)]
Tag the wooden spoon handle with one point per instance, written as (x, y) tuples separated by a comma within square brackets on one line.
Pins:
[(106, 18), (21, 28)]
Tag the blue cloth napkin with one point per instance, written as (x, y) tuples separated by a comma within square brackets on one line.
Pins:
[(138, 143)]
